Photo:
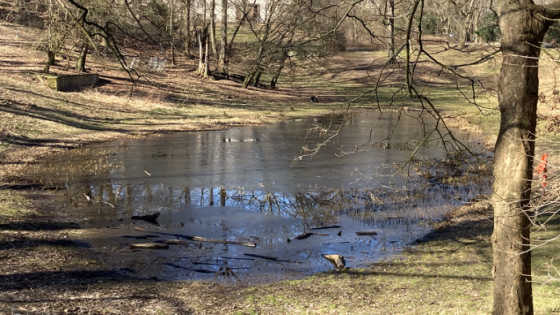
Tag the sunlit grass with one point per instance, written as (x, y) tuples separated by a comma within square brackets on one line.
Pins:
[(14, 206)]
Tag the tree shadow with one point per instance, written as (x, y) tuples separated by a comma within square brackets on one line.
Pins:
[(38, 242), (85, 290), (417, 275), (53, 279), (39, 226)]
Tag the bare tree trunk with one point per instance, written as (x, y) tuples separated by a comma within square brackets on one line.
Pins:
[(200, 38), (171, 28), (390, 30), (462, 36), (249, 78), (276, 76), (188, 38), (50, 61), (230, 44), (203, 68), (257, 78), (257, 69), (213, 27), (223, 55), (475, 28), (50, 51), (206, 72), (81, 64), (518, 87)]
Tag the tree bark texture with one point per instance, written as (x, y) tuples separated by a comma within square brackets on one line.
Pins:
[(517, 95)]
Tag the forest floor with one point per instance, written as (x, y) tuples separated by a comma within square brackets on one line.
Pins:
[(45, 268)]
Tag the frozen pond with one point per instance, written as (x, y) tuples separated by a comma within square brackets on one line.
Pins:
[(241, 185)]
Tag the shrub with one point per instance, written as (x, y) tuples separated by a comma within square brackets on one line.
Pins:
[(488, 28)]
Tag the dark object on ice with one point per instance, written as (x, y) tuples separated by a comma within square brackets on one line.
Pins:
[(261, 256), (366, 233), (327, 227), (149, 217)]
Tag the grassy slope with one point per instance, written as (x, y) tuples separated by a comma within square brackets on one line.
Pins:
[(447, 273)]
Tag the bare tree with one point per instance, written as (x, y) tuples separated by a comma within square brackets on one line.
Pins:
[(223, 54), (213, 27), (171, 29), (187, 24), (391, 30)]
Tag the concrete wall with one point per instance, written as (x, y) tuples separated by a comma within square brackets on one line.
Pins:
[(61, 82)]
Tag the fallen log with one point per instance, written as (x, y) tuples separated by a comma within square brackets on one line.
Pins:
[(198, 238), (203, 239), (149, 246), (179, 242), (306, 235), (303, 236), (261, 256), (366, 233), (148, 217), (327, 227), (238, 258), (139, 236)]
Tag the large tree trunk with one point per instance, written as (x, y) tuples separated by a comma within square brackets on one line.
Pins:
[(517, 95)]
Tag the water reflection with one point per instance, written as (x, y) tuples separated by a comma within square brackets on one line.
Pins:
[(238, 185)]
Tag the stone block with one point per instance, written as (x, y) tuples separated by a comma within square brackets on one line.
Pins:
[(64, 81)]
